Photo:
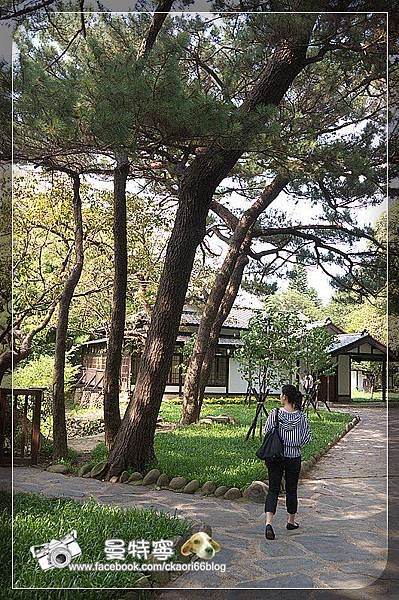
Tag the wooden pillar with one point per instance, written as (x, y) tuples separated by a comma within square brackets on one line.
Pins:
[(24, 425), (3, 414), (36, 426)]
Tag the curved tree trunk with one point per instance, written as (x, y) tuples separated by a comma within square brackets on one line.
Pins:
[(191, 410), (245, 223), (134, 443), (112, 417), (59, 425)]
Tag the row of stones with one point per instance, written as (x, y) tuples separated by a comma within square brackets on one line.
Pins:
[(256, 491)]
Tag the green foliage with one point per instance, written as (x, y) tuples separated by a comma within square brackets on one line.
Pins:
[(268, 357), (38, 372), (99, 453), (313, 352), (280, 345), (297, 301), (38, 519)]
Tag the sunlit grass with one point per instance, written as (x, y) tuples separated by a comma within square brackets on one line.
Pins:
[(220, 453), (37, 520)]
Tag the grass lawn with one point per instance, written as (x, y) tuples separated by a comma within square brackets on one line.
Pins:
[(38, 519), (358, 396), (219, 452)]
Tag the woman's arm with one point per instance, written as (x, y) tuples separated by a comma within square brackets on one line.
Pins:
[(306, 434), (271, 421)]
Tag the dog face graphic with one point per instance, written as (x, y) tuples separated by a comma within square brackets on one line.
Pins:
[(202, 545)]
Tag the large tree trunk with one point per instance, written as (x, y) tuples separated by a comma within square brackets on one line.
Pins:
[(59, 425), (134, 443), (245, 223), (112, 417)]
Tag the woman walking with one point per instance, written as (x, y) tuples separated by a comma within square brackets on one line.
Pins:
[(294, 432)]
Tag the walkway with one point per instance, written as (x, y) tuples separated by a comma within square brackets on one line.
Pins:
[(341, 543)]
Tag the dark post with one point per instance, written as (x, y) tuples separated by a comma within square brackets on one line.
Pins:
[(24, 425), (36, 426), (3, 413)]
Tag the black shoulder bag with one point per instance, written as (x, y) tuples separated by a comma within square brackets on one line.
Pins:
[(272, 445)]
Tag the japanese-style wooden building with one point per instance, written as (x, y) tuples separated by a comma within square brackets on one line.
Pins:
[(225, 378)]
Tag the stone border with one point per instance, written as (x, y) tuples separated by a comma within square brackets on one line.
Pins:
[(255, 492)]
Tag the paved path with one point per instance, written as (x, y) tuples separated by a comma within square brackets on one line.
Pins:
[(341, 543)]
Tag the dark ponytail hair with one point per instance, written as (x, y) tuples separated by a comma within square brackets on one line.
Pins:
[(293, 394)]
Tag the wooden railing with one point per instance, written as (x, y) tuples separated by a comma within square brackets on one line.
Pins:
[(21, 414)]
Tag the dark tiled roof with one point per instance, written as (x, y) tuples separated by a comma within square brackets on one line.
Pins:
[(345, 339)]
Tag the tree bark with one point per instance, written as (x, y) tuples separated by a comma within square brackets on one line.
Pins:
[(134, 443), (245, 223), (59, 425), (224, 311), (112, 417)]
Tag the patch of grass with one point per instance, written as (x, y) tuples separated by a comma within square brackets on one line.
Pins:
[(219, 452), (361, 396), (99, 453), (38, 519)]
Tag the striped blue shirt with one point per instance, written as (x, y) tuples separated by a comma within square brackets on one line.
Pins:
[(293, 428)]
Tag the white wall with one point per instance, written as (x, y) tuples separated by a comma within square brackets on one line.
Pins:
[(237, 385)]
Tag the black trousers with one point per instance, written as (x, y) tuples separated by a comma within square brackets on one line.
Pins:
[(290, 467)]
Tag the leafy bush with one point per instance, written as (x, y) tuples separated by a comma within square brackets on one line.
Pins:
[(38, 372)]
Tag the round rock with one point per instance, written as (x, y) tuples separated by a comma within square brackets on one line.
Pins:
[(191, 487), (177, 483), (136, 476), (221, 490), (256, 492), (98, 469), (232, 494), (151, 477), (209, 487), (124, 477), (84, 469), (64, 469), (163, 480)]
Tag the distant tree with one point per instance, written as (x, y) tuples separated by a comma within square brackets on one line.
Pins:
[(270, 351), (303, 303)]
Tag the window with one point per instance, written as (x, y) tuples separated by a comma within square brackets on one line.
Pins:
[(218, 376), (174, 373)]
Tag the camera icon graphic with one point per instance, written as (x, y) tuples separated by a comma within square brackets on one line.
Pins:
[(57, 554)]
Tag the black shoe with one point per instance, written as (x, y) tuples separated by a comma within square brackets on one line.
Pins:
[(269, 533), (290, 526)]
